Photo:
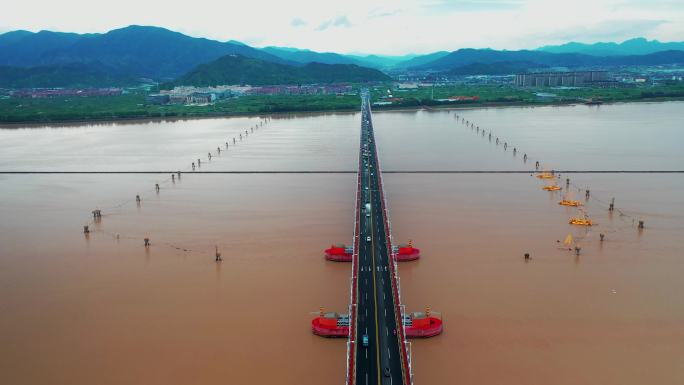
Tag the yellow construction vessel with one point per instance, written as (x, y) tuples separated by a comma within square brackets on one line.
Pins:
[(582, 221), (568, 202), (552, 187)]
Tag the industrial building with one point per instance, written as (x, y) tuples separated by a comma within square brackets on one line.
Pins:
[(561, 79)]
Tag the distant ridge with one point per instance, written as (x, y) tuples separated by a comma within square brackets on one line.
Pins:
[(237, 69), (464, 57), (636, 46)]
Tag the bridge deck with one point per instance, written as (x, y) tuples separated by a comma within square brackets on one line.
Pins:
[(375, 310)]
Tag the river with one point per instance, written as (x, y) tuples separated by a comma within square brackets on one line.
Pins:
[(104, 309)]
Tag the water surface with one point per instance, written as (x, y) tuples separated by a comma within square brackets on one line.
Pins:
[(104, 309)]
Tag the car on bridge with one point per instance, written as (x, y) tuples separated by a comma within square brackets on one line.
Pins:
[(368, 238), (364, 340)]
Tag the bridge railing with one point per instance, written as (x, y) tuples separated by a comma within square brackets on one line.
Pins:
[(351, 343), (406, 361)]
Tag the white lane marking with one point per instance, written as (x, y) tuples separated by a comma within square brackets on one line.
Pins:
[(388, 353)]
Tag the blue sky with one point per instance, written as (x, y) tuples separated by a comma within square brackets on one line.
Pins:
[(369, 26)]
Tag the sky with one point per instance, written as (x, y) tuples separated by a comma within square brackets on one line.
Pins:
[(388, 27)]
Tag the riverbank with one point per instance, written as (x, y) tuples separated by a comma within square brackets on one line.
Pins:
[(16, 112)]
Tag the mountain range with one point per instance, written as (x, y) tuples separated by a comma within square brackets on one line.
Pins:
[(149, 52), (124, 56), (237, 69), (540, 59), (637, 46)]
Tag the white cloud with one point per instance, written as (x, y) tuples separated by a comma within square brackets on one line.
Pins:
[(379, 26), (341, 21), (297, 22)]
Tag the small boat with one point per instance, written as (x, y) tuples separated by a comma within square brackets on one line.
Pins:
[(552, 187), (568, 202), (545, 175)]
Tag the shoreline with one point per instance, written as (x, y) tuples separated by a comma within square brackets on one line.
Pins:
[(441, 107)]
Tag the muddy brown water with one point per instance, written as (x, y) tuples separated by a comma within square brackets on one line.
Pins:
[(105, 310)]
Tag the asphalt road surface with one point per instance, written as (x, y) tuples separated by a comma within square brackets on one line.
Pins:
[(380, 361)]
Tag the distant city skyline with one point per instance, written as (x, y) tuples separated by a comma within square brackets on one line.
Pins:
[(383, 27)]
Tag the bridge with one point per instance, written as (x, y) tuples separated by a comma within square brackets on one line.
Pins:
[(376, 325), (375, 309)]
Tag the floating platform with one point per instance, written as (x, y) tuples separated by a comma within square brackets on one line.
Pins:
[(406, 252), (339, 253), (331, 325), (422, 325), (342, 253), (417, 325)]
